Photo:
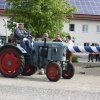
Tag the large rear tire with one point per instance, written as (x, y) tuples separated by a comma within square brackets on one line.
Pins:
[(69, 71), (53, 71), (29, 70), (11, 62)]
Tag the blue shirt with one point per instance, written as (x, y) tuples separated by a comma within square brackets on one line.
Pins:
[(21, 33)]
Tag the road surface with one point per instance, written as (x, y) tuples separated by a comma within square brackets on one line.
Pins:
[(85, 85)]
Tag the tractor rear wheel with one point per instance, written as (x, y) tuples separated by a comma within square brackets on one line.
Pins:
[(29, 70), (53, 71), (11, 62), (69, 71)]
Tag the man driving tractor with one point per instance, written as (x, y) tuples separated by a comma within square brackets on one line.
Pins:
[(22, 36)]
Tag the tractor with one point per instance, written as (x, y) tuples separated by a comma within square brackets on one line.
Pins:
[(15, 60)]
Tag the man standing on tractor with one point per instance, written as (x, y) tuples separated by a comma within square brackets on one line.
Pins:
[(45, 38)]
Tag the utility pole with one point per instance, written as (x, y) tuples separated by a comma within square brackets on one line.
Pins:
[(5, 21)]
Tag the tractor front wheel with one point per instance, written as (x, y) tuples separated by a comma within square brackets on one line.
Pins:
[(53, 71)]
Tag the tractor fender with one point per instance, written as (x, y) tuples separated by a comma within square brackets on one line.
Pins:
[(17, 47)]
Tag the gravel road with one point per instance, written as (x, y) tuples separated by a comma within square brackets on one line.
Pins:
[(85, 85)]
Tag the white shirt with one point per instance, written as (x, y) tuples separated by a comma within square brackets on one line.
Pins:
[(70, 43)]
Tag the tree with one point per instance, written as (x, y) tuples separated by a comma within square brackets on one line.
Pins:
[(40, 16)]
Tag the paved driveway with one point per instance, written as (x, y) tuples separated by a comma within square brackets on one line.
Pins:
[(85, 85)]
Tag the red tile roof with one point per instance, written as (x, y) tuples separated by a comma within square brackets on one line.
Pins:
[(86, 17), (1, 11)]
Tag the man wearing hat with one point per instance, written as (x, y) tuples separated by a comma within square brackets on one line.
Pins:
[(22, 35), (20, 32)]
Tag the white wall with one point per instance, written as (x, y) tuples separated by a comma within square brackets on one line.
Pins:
[(2, 27), (92, 36)]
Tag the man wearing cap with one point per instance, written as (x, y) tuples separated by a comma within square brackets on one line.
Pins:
[(22, 35), (20, 32)]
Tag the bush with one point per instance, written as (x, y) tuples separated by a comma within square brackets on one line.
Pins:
[(64, 34), (75, 58)]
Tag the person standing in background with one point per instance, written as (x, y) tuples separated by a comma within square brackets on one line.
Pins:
[(69, 54), (90, 56), (10, 39), (97, 56), (57, 38)]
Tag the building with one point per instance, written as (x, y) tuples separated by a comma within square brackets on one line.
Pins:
[(3, 30), (84, 27)]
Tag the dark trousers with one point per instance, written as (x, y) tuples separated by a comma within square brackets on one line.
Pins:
[(26, 45), (90, 57), (69, 56), (97, 57)]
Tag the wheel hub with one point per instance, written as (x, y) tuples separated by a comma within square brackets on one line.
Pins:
[(9, 63), (52, 72)]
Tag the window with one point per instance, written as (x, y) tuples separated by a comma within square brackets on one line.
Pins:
[(71, 27), (98, 28), (85, 28), (94, 44), (86, 44)]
